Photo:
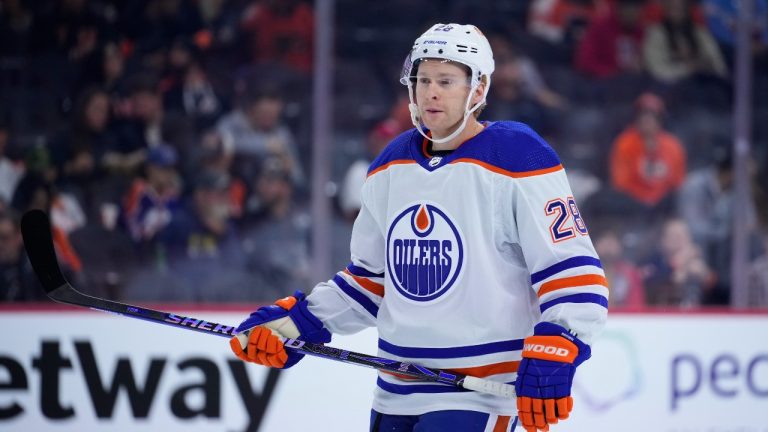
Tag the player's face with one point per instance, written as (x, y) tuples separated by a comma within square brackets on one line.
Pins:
[(441, 94)]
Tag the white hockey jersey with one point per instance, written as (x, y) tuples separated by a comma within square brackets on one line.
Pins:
[(455, 258)]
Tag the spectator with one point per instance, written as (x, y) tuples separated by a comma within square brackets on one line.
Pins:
[(648, 164), (68, 36), (758, 278), (16, 23), (195, 97), (138, 128), (551, 20), (109, 256), (148, 111), (612, 43), (625, 279), (34, 191), (678, 48), (653, 12), (215, 153), (71, 26), (519, 91), (154, 24), (17, 279), (203, 247), (80, 149), (257, 132), (277, 243), (563, 22), (153, 200), (105, 70), (178, 58), (677, 274), (144, 125), (112, 68), (706, 203), (282, 31), (10, 171), (203, 227), (378, 138), (220, 20)]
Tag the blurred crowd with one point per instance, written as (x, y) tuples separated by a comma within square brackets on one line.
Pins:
[(170, 140)]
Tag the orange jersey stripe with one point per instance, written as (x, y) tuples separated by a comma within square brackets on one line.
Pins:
[(502, 424), (368, 284), (512, 174), (477, 371), (573, 281), (389, 164), (488, 370)]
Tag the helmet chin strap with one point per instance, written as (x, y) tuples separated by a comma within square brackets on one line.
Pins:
[(414, 110)]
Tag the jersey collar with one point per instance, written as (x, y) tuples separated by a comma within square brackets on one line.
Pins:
[(436, 159)]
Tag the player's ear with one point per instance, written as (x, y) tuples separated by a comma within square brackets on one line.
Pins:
[(477, 95)]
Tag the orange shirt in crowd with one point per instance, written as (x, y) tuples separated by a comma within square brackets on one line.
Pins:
[(647, 176), (550, 18)]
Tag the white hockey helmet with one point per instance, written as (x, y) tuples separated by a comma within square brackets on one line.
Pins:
[(460, 43)]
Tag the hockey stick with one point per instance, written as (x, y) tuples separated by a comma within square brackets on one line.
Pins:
[(38, 241)]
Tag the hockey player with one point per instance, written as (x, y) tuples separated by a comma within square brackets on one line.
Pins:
[(469, 253)]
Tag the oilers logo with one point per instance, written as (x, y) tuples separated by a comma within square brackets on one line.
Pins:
[(425, 252)]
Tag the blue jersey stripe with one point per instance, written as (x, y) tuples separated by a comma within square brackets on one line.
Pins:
[(573, 262), (418, 388), (398, 149), (357, 296), (359, 271), (453, 352), (576, 298)]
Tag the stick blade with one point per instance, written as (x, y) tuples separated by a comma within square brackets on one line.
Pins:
[(38, 241)]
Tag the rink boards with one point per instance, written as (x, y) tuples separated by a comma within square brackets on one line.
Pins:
[(65, 369)]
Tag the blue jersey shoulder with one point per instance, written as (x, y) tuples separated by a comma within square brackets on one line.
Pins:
[(398, 149), (513, 146)]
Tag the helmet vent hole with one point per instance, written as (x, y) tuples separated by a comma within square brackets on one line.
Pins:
[(440, 51), (425, 50)]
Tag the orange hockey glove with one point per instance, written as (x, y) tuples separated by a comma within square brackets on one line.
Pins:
[(545, 376), (259, 336)]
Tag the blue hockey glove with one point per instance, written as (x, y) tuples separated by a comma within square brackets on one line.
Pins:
[(545, 375), (259, 336)]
